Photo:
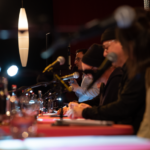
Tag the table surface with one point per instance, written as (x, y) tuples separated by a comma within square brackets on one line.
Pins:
[(77, 137), (45, 128), (78, 143)]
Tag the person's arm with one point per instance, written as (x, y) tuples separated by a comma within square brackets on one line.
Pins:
[(129, 101), (93, 92), (109, 92), (94, 101)]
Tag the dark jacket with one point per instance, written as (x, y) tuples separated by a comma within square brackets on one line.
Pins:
[(108, 92), (129, 106)]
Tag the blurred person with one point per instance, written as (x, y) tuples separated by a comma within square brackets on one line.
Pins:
[(136, 43), (109, 81), (78, 58), (129, 106), (91, 62)]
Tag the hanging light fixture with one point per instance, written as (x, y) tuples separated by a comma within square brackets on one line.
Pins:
[(23, 36)]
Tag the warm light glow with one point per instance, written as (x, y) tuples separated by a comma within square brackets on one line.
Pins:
[(8, 113), (25, 134), (23, 23), (23, 37), (15, 129)]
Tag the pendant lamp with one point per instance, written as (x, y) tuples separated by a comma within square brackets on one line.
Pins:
[(23, 37), (146, 4)]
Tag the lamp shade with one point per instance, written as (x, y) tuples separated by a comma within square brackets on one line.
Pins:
[(23, 37), (146, 4)]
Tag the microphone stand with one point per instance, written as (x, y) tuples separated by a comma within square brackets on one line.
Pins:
[(61, 102), (47, 34), (61, 82), (45, 84)]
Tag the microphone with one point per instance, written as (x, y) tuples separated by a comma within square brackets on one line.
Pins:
[(59, 61), (74, 75), (110, 58), (122, 17)]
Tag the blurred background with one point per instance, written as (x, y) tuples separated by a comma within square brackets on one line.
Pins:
[(47, 16)]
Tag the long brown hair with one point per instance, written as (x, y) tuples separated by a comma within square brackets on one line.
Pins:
[(136, 42)]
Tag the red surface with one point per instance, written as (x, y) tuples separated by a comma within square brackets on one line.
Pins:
[(44, 127), (48, 130)]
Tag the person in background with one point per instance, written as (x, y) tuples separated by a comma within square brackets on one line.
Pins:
[(129, 106), (78, 58), (136, 43), (92, 62), (110, 80)]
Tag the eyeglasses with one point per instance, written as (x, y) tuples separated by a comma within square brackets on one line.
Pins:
[(78, 59)]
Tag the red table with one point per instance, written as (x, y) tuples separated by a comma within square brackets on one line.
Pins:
[(49, 130), (56, 137), (45, 128)]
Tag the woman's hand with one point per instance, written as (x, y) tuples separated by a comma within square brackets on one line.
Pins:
[(75, 113), (76, 110), (65, 109)]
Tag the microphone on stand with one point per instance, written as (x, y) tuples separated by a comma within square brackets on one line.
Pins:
[(122, 17), (59, 61), (74, 75), (110, 58)]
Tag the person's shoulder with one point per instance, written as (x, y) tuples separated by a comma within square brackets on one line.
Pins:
[(87, 78), (118, 71)]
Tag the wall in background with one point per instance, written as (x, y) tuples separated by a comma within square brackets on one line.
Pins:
[(78, 12)]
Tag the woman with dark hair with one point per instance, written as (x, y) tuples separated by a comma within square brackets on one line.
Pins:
[(136, 43)]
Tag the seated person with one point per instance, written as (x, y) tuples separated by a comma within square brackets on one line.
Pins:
[(80, 90), (91, 61), (111, 78), (136, 43), (129, 106)]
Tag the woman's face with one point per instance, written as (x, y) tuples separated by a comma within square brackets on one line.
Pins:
[(106, 45), (116, 48)]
